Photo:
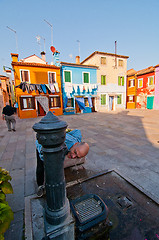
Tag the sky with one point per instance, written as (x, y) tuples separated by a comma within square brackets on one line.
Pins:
[(82, 26)]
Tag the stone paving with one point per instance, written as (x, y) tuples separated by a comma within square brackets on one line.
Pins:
[(126, 141)]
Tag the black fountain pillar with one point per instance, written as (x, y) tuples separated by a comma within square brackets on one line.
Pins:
[(58, 221)]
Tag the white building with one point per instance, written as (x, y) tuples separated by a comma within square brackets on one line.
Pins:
[(111, 80)]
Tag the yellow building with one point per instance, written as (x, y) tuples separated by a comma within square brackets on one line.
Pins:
[(37, 86), (131, 89)]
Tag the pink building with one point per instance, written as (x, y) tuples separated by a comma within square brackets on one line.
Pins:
[(156, 97)]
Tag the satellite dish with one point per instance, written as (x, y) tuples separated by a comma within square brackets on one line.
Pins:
[(52, 49)]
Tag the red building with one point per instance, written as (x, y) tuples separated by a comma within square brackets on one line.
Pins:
[(145, 88)]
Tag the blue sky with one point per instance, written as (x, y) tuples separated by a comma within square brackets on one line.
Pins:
[(96, 24)]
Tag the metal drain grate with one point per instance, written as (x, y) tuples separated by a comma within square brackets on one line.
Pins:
[(124, 202), (87, 209)]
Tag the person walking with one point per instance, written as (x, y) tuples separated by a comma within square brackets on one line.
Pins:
[(8, 115)]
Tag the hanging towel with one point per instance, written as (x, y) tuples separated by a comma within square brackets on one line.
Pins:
[(56, 87), (48, 88), (23, 87), (39, 88), (32, 87), (52, 88), (27, 88), (80, 102), (90, 102), (43, 88)]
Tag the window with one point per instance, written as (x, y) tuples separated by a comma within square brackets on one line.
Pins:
[(119, 99), (67, 76), (131, 82), (120, 63), (150, 81), (24, 75), (103, 99), (131, 98), (85, 77), (52, 77), (27, 103), (70, 102), (120, 81), (86, 102), (103, 79), (54, 102), (140, 82), (103, 60)]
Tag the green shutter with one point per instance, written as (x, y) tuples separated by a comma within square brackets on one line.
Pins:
[(103, 99), (119, 99), (119, 81), (122, 81), (86, 78), (67, 76), (103, 80)]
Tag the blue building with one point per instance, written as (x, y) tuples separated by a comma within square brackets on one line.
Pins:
[(79, 87)]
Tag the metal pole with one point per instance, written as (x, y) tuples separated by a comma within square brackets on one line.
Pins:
[(16, 39), (78, 47), (51, 35)]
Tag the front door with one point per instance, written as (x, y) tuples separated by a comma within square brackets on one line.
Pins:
[(111, 102), (41, 111), (77, 107), (150, 100)]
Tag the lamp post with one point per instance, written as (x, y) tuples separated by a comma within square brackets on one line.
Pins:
[(15, 37), (58, 221)]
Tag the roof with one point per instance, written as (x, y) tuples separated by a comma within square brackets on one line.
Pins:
[(131, 72), (33, 59), (78, 65), (3, 77), (104, 53), (146, 70), (34, 65), (156, 66)]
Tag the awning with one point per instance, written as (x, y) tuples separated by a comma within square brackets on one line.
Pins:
[(80, 102)]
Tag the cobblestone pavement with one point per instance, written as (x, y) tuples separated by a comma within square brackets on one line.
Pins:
[(126, 141)]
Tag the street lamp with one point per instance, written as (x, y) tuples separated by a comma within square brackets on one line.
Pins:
[(15, 37)]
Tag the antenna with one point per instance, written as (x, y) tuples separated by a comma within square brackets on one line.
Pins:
[(51, 31), (78, 46), (115, 54), (15, 37), (38, 37)]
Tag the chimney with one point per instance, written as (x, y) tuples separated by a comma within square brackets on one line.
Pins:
[(77, 59), (43, 56), (14, 57)]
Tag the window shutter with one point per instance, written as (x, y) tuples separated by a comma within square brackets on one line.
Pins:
[(119, 81), (133, 82), (33, 102), (119, 99), (86, 78), (122, 81), (67, 76), (21, 103), (133, 98)]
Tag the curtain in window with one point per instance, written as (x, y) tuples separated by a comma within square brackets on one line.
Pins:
[(44, 102), (90, 102)]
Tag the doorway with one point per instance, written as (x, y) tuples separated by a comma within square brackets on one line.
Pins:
[(111, 103), (41, 111)]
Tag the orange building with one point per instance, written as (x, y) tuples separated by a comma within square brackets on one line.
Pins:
[(37, 86), (131, 89), (5, 91)]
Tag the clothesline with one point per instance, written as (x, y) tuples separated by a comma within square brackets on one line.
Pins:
[(52, 88)]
